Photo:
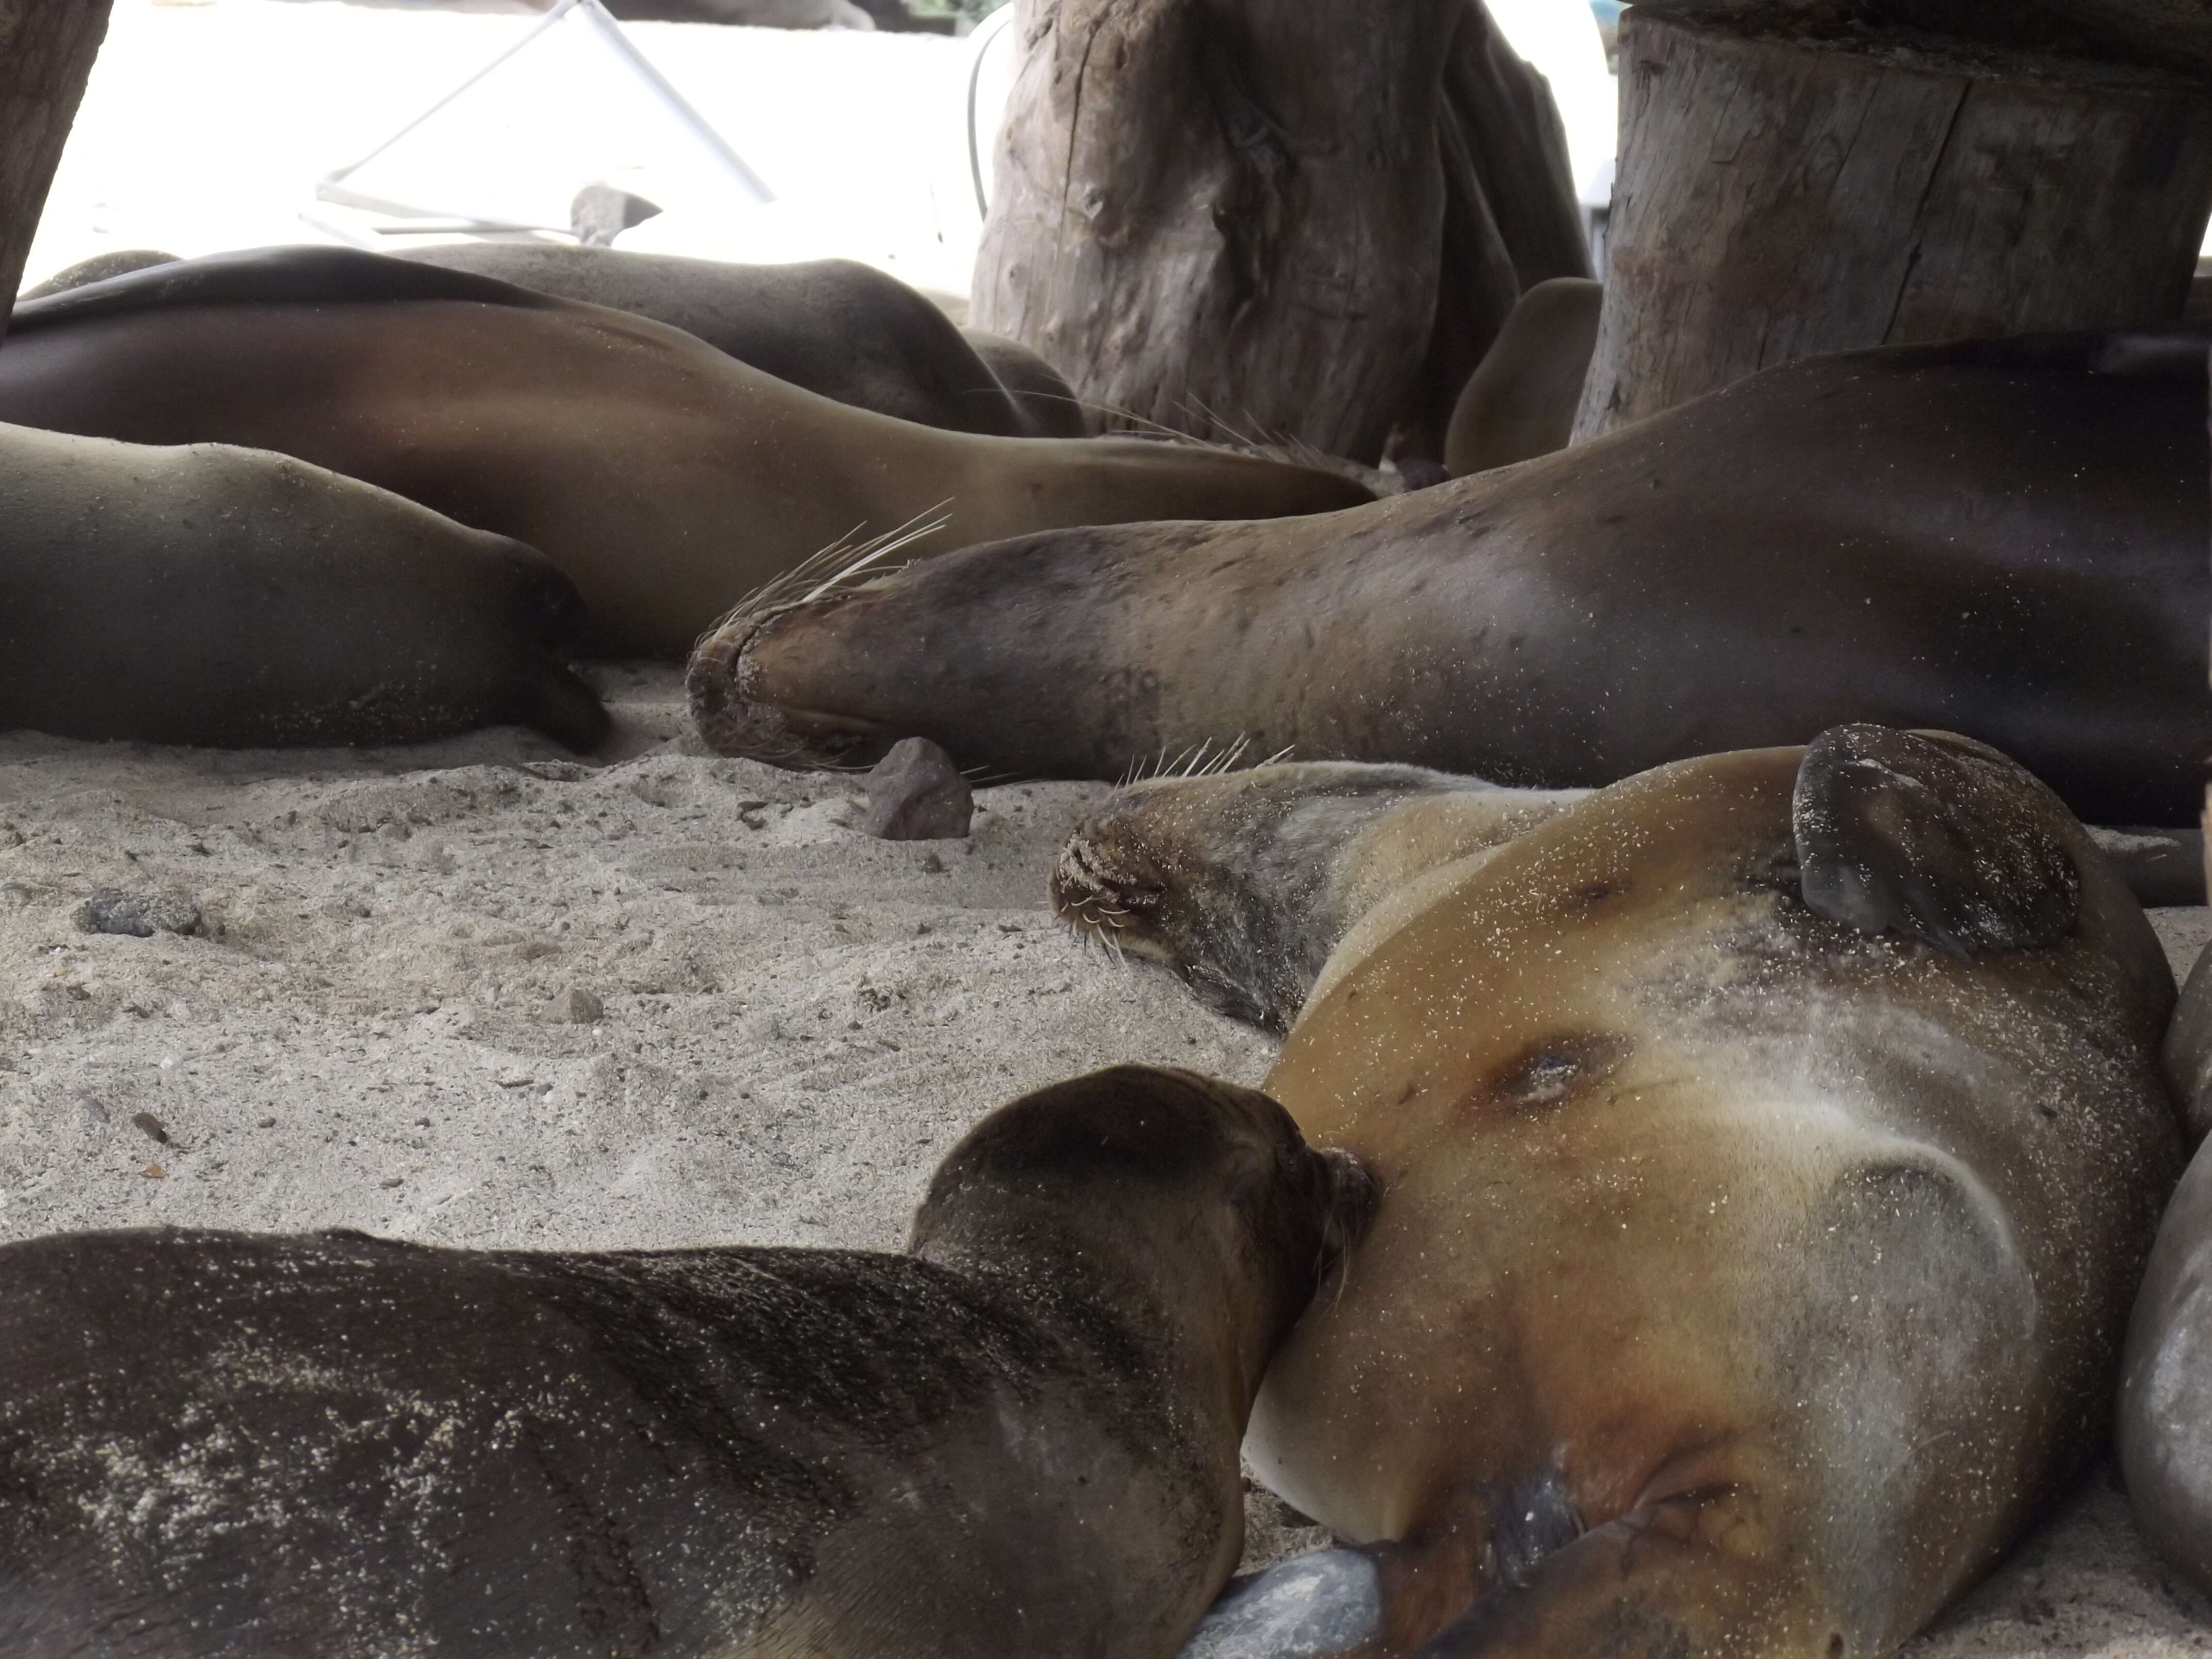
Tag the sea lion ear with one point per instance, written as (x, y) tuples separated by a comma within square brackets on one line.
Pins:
[(1934, 836)]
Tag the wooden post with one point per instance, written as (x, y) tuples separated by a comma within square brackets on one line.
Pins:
[(1795, 181), (46, 49), (1236, 217)]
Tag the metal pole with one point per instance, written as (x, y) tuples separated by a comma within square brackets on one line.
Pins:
[(610, 34)]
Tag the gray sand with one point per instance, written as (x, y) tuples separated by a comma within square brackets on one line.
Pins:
[(379, 1026)]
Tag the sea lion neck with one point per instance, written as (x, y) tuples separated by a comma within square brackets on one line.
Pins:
[(1163, 1275)]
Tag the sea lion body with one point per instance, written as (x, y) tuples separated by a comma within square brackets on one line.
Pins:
[(236, 598), (666, 479), (2163, 1427), (1770, 1145), (839, 329), (2005, 538), (1020, 1438), (1521, 400)]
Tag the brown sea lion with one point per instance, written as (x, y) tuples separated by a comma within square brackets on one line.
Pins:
[(1244, 884), (1521, 400), (665, 478), (1019, 1438), (2002, 538), (841, 330), (235, 599), (1769, 1147)]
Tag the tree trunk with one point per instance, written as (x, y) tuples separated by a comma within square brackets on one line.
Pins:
[(46, 49), (1795, 182), (1235, 217)]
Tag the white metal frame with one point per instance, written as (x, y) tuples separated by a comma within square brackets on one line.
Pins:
[(332, 186)]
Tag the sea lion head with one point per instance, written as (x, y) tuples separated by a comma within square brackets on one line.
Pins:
[(1153, 1163), (1228, 878)]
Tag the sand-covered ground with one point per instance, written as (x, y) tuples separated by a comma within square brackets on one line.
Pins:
[(482, 992)]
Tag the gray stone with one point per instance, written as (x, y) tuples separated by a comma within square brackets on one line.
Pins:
[(600, 213), (140, 915), (583, 1006), (916, 793)]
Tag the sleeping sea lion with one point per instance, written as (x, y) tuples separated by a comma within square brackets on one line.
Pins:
[(235, 599), (839, 328), (1521, 400), (2002, 538), (1020, 1438), (1769, 1147), (1244, 883), (2163, 1429), (665, 478)]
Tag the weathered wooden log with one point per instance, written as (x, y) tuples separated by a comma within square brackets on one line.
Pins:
[(1798, 179), (46, 49), (1236, 218)]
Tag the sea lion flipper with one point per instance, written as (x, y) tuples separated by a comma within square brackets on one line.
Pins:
[(565, 706), (1933, 836)]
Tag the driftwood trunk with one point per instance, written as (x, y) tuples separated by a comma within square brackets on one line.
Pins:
[(46, 49), (1795, 181), (1243, 218)]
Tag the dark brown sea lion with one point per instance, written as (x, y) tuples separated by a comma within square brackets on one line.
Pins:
[(2164, 1424), (841, 330), (235, 599), (1521, 400), (666, 479), (1769, 1147), (1019, 1439), (2002, 538)]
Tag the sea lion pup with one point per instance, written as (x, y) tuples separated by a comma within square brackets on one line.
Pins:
[(234, 598), (1244, 883), (839, 328), (2163, 1428), (1770, 1145), (1020, 1438), (665, 478), (2029, 570), (1521, 400)]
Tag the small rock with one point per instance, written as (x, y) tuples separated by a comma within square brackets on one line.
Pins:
[(266, 1123), (584, 1008), (600, 213), (152, 1125), (916, 793), (1419, 473), (389, 1182), (138, 915), (155, 1172)]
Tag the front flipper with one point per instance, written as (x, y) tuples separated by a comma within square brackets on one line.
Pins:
[(1934, 836)]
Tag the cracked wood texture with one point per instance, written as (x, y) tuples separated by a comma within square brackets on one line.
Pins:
[(1299, 221), (46, 49), (1795, 181)]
